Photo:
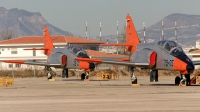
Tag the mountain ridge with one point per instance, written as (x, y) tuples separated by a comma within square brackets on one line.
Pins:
[(187, 27), (24, 23)]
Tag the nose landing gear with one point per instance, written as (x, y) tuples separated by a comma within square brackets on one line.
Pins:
[(183, 79), (85, 75)]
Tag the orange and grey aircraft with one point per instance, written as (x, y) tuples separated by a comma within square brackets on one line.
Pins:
[(161, 55), (60, 58)]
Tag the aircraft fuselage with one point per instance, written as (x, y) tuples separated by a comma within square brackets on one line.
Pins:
[(169, 56)]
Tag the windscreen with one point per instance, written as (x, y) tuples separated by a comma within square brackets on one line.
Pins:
[(176, 51), (167, 45), (78, 51)]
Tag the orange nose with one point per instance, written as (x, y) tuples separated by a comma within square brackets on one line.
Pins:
[(179, 65)]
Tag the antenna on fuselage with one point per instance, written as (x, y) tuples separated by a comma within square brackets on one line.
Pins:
[(175, 32), (162, 30), (144, 32)]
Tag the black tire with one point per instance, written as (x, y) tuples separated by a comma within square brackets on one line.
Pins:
[(134, 82), (49, 77), (82, 76), (188, 79), (87, 77), (177, 80)]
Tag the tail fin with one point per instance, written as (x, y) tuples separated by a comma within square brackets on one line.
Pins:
[(48, 45), (131, 35), (132, 39)]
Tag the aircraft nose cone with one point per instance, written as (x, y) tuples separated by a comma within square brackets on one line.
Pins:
[(190, 67)]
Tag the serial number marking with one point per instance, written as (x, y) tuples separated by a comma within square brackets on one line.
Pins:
[(75, 63), (168, 63)]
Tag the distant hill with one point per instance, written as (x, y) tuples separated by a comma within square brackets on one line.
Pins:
[(24, 23), (188, 30)]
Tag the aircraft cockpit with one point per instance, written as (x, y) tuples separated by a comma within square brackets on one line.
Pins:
[(171, 47), (78, 51)]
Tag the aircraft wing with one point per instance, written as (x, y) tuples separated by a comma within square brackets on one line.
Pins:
[(197, 62), (118, 62), (31, 63)]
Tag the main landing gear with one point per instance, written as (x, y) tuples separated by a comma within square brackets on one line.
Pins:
[(183, 79), (50, 72), (133, 77), (65, 73), (153, 75)]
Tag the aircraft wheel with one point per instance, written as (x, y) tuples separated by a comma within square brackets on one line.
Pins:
[(134, 81), (82, 76), (49, 76), (86, 77), (177, 80)]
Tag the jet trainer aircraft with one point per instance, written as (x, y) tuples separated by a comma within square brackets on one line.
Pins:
[(60, 58), (161, 55)]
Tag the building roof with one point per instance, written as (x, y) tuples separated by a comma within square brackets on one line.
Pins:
[(55, 39), (98, 54), (196, 51), (198, 40)]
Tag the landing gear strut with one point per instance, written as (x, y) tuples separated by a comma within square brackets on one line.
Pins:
[(187, 79), (154, 76), (85, 75), (50, 72), (133, 77), (183, 79), (49, 76), (65, 73)]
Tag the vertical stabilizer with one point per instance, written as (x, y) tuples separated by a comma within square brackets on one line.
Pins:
[(48, 45), (131, 35)]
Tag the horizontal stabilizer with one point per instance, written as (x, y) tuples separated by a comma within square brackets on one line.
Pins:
[(14, 61), (32, 63)]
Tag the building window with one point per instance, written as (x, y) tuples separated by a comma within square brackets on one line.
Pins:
[(34, 53), (14, 51), (17, 65), (93, 48), (10, 65), (42, 51)]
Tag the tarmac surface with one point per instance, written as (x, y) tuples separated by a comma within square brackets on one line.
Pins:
[(74, 95)]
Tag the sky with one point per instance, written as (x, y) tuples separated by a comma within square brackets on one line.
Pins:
[(72, 15)]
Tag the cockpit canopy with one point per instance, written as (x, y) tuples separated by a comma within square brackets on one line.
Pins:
[(171, 46), (78, 51)]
